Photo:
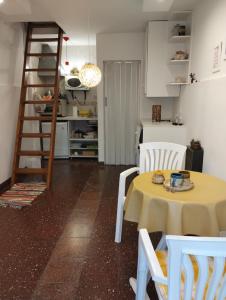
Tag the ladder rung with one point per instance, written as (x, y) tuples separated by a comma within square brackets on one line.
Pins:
[(32, 171), (36, 135), (39, 85), (41, 54), (36, 118), (40, 70), (39, 102), (33, 153), (44, 40)]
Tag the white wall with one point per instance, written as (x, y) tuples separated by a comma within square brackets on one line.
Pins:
[(78, 56), (11, 59), (203, 105)]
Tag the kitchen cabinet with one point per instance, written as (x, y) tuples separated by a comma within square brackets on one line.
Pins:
[(162, 73)]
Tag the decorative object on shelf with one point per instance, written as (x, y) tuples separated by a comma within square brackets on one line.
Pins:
[(178, 120), (158, 177), (180, 55), (217, 53), (90, 75), (179, 30), (180, 79), (66, 39), (74, 72), (156, 113), (193, 77)]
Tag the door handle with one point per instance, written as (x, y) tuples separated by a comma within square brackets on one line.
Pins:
[(105, 101)]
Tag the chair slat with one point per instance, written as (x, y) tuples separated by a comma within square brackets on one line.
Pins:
[(216, 277), (189, 277), (222, 293), (203, 276)]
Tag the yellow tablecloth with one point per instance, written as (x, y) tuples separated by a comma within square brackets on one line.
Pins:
[(200, 211)]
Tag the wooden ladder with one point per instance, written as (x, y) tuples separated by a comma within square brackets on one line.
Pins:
[(40, 29)]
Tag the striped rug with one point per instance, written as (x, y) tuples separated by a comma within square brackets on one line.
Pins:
[(22, 194)]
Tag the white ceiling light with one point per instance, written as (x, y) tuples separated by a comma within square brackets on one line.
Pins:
[(1, 1)]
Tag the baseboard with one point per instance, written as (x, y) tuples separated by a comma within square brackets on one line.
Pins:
[(5, 185)]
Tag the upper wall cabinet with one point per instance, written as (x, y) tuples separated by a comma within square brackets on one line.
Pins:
[(167, 58)]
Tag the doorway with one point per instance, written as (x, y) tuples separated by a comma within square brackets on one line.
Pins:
[(121, 95)]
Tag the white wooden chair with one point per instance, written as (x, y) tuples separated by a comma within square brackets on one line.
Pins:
[(153, 156), (193, 268)]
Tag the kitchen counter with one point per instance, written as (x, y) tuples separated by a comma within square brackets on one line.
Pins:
[(71, 118), (149, 123), (163, 132)]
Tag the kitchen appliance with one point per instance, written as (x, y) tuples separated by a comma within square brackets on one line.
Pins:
[(73, 83), (61, 143)]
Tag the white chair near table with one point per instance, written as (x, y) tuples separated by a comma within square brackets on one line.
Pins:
[(193, 268), (153, 156)]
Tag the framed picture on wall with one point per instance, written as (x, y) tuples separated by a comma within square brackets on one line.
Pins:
[(217, 54)]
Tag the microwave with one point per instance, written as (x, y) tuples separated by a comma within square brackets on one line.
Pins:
[(73, 83)]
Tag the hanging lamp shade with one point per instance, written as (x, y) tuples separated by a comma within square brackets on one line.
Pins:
[(90, 75)]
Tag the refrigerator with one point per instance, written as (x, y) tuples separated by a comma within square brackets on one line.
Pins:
[(61, 142)]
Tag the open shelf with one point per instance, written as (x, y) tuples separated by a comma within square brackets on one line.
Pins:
[(83, 140), (179, 38), (84, 156), (178, 83), (179, 61)]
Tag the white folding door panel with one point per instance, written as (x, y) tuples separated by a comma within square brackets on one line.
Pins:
[(122, 91)]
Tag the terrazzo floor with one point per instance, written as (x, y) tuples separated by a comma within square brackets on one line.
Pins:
[(62, 247)]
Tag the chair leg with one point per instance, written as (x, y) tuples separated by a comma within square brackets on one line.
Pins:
[(142, 275), (119, 221), (162, 243)]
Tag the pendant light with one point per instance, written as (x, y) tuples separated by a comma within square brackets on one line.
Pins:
[(90, 74)]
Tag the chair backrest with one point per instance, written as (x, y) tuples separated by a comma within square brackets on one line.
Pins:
[(189, 256), (161, 156)]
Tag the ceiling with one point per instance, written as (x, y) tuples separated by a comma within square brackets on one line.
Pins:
[(104, 16)]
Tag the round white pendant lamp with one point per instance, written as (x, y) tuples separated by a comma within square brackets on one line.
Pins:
[(90, 75)]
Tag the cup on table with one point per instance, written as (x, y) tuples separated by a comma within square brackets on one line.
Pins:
[(176, 179), (186, 177)]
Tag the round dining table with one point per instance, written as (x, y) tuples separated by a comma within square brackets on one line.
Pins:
[(199, 211)]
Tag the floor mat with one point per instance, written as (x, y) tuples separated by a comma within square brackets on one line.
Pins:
[(22, 194)]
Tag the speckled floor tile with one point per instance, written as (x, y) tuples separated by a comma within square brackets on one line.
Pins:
[(62, 247)]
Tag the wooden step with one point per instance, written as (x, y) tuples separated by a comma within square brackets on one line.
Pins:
[(33, 153), (37, 118), (36, 135), (40, 171), (39, 102), (41, 54), (40, 85), (45, 40), (41, 70)]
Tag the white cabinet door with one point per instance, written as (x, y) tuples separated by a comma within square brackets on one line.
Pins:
[(61, 142), (158, 72)]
